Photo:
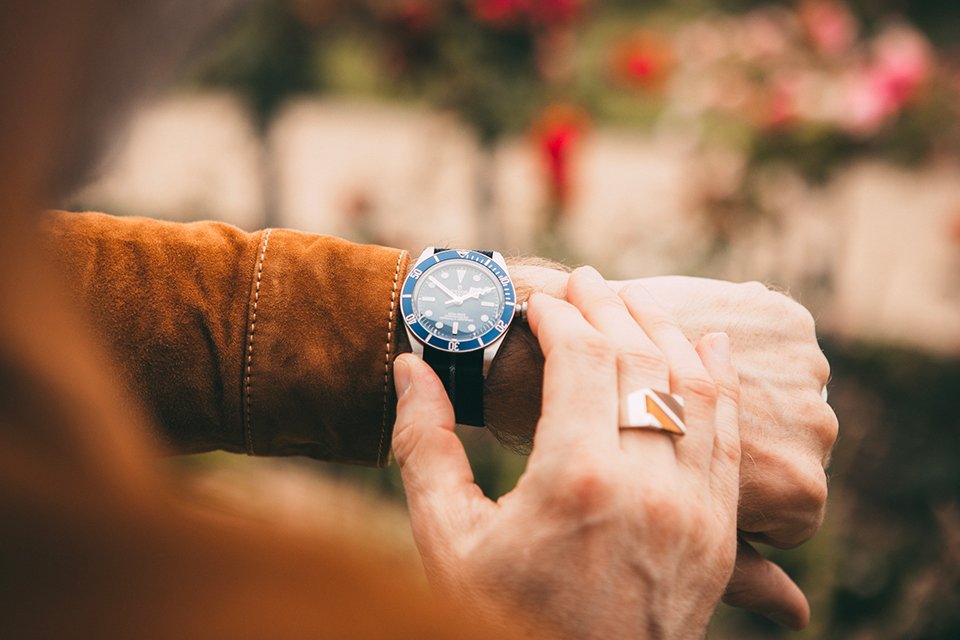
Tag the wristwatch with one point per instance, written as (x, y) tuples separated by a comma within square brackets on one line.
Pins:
[(457, 305)]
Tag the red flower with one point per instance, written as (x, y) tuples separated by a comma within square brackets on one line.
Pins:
[(554, 12), (643, 61), (507, 13), (499, 12), (416, 15), (557, 134)]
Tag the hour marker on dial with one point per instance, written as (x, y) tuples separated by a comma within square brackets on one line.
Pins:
[(460, 274), (444, 275), (476, 277), (484, 318), (456, 327), (439, 325), (471, 327), (427, 299), (487, 303), (428, 312)]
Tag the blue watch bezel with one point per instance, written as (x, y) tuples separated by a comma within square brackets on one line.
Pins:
[(458, 346)]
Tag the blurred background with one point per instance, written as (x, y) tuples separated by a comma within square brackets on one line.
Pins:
[(813, 145)]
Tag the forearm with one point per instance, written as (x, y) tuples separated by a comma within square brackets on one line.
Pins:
[(270, 343)]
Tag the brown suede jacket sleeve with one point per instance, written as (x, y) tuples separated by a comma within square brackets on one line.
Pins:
[(271, 343)]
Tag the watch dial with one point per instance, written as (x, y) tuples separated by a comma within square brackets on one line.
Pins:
[(458, 300)]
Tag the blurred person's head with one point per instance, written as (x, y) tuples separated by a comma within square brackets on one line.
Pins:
[(71, 70)]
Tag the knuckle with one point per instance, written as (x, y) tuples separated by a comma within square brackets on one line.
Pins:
[(698, 387), (760, 296), (728, 450), (820, 367), (809, 486), (583, 288), (405, 441), (757, 288), (632, 292), (667, 510), (729, 387), (827, 426), (799, 316), (788, 506), (648, 362), (606, 302), (592, 347), (587, 489), (807, 480)]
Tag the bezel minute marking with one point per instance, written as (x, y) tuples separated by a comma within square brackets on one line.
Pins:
[(498, 329)]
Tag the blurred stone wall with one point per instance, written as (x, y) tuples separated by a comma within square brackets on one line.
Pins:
[(875, 252)]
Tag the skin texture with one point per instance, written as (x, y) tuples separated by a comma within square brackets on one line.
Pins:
[(609, 533), (787, 429)]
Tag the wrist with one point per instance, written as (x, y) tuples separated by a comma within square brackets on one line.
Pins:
[(514, 385), (512, 389), (531, 275)]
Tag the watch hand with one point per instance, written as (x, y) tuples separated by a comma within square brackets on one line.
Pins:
[(442, 288), (474, 293), (459, 299)]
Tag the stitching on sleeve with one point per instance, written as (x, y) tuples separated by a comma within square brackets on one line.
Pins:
[(387, 354), (248, 369)]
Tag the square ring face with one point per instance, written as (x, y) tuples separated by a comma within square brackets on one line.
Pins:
[(458, 300)]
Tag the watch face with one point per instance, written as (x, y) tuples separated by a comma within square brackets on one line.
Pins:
[(458, 300)]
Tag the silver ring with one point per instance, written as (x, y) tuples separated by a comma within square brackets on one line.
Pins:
[(651, 409)]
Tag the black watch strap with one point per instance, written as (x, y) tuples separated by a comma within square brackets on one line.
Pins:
[(462, 377)]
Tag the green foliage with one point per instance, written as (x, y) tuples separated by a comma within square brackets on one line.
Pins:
[(266, 56)]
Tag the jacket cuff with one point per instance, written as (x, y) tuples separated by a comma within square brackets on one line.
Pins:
[(321, 334)]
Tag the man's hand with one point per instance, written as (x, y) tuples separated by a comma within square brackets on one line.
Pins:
[(787, 430), (609, 533)]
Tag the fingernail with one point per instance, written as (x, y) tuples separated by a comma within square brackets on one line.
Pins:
[(720, 343), (402, 377), (590, 274), (787, 619), (537, 298)]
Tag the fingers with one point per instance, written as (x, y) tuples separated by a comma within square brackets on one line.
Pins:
[(760, 586), (434, 466), (640, 363), (714, 352), (579, 378), (688, 376)]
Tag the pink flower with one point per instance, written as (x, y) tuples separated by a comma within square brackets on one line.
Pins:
[(830, 25), (781, 108), (903, 64), (900, 68)]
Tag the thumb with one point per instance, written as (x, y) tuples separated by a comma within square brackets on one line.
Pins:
[(760, 586), (433, 463)]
